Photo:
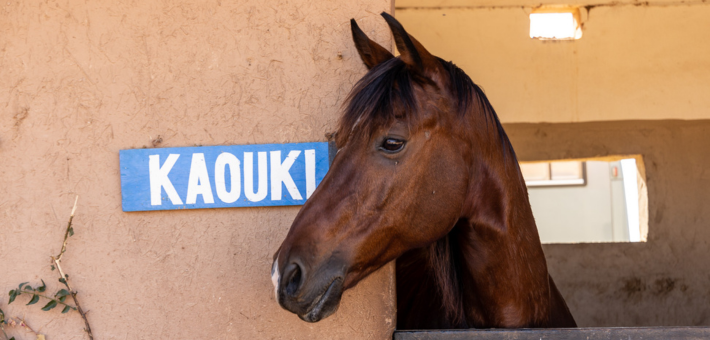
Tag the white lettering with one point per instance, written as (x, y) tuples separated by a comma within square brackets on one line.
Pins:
[(280, 174), (220, 184), (249, 177), (159, 179), (199, 181), (310, 172)]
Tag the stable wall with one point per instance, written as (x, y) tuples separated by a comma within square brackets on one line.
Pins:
[(635, 60), (80, 81), (664, 281)]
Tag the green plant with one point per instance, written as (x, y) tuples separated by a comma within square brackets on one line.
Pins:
[(2, 325), (16, 322), (39, 292)]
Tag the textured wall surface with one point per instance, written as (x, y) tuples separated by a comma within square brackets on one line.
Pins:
[(80, 81), (662, 282), (635, 60), (521, 3)]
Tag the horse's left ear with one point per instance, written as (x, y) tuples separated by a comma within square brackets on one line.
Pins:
[(411, 51)]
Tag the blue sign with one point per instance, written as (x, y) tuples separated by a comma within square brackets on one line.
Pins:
[(221, 176)]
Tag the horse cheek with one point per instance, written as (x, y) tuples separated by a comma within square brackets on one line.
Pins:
[(442, 189)]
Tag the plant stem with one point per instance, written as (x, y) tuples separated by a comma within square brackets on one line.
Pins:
[(24, 325), (3, 332), (65, 278), (66, 233), (34, 292)]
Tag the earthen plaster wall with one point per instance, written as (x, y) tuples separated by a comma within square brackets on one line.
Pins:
[(636, 59), (664, 281), (80, 81)]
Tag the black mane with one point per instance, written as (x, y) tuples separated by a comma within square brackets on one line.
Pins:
[(387, 93)]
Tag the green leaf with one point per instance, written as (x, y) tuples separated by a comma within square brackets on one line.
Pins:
[(62, 298), (13, 338), (2, 316), (13, 295), (42, 288), (29, 288), (66, 309), (34, 300), (53, 267), (22, 284), (49, 306), (71, 231), (61, 293), (62, 280)]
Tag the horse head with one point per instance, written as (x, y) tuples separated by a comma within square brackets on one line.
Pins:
[(419, 150)]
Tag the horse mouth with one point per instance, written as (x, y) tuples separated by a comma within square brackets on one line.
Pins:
[(326, 303)]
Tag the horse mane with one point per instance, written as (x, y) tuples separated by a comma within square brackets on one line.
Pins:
[(445, 267), (387, 93), (377, 99)]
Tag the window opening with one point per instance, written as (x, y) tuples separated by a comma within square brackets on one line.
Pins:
[(555, 23), (591, 200)]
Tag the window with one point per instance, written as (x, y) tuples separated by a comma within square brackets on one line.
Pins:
[(553, 173), (592, 200), (555, 23)]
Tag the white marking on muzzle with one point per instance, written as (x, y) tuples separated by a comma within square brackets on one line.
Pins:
[(276, 278)]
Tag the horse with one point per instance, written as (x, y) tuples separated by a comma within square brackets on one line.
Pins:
[(424, 174)]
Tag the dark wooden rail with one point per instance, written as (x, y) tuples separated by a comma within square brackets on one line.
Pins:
[(640, 333)]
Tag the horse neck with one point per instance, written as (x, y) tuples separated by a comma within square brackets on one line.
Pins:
[(499, 245)]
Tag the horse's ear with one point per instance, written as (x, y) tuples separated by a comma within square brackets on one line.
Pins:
[(411, 51), (371, 52)]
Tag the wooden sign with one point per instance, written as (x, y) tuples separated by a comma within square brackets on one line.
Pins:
[(221, 176)]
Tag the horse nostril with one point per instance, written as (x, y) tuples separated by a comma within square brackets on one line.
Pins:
[(294, 279)]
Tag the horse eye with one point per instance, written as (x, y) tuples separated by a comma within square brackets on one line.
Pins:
[(392, 145)]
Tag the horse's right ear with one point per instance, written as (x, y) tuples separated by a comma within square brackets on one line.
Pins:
[(371, 52), (410, 50)]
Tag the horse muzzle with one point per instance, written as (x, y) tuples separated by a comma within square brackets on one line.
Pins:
[(311, 297)]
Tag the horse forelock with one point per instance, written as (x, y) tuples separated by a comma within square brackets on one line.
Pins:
[(387, 93)]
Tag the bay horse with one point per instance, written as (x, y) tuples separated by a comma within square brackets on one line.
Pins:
[(424, 174)]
